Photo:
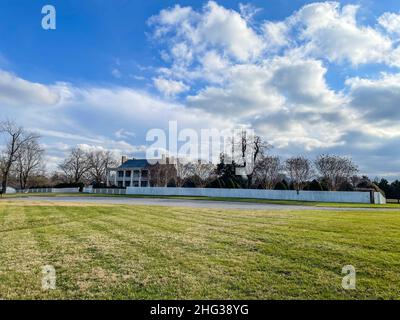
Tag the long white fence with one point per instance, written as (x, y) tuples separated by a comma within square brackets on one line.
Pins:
[(51, 190), (105, 191), (317, 196)]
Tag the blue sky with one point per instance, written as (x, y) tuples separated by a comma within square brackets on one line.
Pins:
[(310, 77), (92, 35)]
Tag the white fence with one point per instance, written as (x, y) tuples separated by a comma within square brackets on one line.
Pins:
[(51, 190), (317, 196), (105, 191), (379, 198)]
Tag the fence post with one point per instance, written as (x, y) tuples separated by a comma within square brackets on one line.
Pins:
[(372, 196)]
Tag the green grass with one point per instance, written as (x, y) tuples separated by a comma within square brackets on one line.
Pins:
[(392, 204), (150, 252)]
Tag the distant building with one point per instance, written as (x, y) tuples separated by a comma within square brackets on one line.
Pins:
[(140, 172), (131, 173)]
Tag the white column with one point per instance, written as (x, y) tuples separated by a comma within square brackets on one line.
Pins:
[(107, 178), (115, 177), (123, 182), (140, 177), (131, 178)]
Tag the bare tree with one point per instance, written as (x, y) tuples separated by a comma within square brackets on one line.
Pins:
[(251, 148), (299, 170), (75, 166), (161, 174), (15, 139), (29, 162), (156, 176), (267, 171), (98, 162), (205, 172), (56, 178), (184, 170), (335, 170)]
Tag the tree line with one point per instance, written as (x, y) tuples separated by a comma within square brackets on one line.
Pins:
[(22, 162), (325, 173), (249, 165)]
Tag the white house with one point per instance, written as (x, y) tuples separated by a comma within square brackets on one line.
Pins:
[(131, 173)]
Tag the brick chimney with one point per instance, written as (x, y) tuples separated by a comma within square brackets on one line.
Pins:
[(124, 159)]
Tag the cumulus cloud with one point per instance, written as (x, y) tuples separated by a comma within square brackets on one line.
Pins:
[(170, 87), (272, 75), (227, 28), (391, 22), (222, 68), (245, 92), (327, 30), (94, 115), (278, 85), (377, 99), (276, 34), (303, 82), (215, 26)]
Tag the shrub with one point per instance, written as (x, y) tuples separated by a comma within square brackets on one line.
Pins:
[(171, 184), (346, 186), (314, 186), (282, 185), (366, 184), (79, 185)]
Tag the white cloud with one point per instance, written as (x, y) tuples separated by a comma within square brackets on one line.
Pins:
[(182, 53), (377, 99), (170, 87), (245, 93), (122, 133), (248, 11), (226, 68), (276, 34), (272, 75), (279, 84), (391, 22), (63, 135), (227, 28), (302, 82), (332, 32), (19, 92), (322, 30), (213, 67), (287, 101), (94, 116), (172, 17), (215, 26)]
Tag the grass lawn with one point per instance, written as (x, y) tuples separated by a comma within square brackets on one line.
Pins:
[(150, 252)]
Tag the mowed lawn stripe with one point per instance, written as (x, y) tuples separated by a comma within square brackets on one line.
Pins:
[(20, 257), (149, 252), (168, 254), (329, 264)]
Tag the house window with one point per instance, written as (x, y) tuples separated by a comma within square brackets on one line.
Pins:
[(128, 173), (135, 184), (127, 184), (145, 173), (120, 185), (120, 174), (144, 184)]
